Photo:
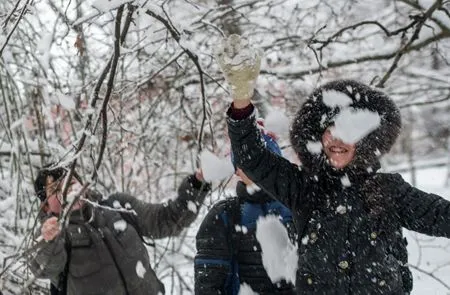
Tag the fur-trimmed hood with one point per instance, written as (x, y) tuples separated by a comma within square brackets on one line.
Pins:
[(315, 116)]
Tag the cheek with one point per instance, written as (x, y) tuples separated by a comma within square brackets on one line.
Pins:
[(53, 204)]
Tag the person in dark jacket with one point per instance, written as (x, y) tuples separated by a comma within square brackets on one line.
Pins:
[(355, 214), (227, 258), (100, 250)]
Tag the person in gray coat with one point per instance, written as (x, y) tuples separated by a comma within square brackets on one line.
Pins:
[(101, 250)]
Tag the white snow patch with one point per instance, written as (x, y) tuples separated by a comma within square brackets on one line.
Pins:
[(279, 255), (245, 289), (341, 209), (333, 98), (140, 269), (214, 168), (314, 147), (120, 225), (116, 204), (242, 229), (67, 102), (352, 125), (277, 122), (345, 180), (191, 206), (107, 5)]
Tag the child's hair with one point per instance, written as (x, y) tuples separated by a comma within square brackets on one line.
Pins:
[(41, 179)]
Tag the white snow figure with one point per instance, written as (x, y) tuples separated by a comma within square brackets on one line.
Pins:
[(279, 255), (214, 168)]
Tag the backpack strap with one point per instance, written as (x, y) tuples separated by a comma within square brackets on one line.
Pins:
[(231, 217)]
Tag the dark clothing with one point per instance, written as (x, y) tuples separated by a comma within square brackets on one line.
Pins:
[(350, 243), (107, 255), (218, 242)]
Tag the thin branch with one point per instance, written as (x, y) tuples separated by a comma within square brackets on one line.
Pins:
[(430, 275), (22, 13), (174, 33), (414, 37)]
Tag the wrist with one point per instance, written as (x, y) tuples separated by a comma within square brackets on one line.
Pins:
[(241, 103)]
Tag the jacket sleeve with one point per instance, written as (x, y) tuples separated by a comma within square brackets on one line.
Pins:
[(420, 211), (281, 179), (212, 263), (48, 259), (168, 219)]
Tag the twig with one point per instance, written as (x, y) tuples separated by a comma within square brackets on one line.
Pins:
[(25, 7), (421, 21), (176, 35)]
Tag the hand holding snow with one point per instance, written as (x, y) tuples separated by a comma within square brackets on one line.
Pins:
[(279, 255), (214, 168)]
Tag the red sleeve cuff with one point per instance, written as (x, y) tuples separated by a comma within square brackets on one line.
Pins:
[(240, 114)]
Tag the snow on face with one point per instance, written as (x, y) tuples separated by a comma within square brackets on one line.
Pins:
[(333, 98), (214, 168), (279, 255), (352, 125)]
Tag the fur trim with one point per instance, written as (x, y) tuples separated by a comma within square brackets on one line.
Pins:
[(315, 117)]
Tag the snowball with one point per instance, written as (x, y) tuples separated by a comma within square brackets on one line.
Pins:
[(277, 122), (214, 168), (279, 255)]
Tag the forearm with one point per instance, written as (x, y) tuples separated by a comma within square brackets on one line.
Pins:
[(49, 259), (276, 175), (423, 212), (168, 219)]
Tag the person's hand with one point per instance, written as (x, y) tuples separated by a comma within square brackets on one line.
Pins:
[(240, 64), (50, 229)]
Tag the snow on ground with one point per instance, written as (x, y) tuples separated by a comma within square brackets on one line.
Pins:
[(427, 253)]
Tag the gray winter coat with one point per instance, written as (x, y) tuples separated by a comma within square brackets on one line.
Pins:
[(102, 250), (349, 244)]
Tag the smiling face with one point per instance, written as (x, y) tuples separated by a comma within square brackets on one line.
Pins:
[(338, 152)]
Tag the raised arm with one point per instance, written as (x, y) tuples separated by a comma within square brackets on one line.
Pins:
[(240, 64), (280, 178), (213, 260), (420, 211), (167, 219)]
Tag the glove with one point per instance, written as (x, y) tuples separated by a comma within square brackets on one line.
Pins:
[(240, 65)]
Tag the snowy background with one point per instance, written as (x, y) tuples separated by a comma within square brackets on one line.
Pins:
[(131, 92)]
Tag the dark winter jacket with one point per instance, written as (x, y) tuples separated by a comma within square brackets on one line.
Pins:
[(103, 249), (218, 242), (355, 215)]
